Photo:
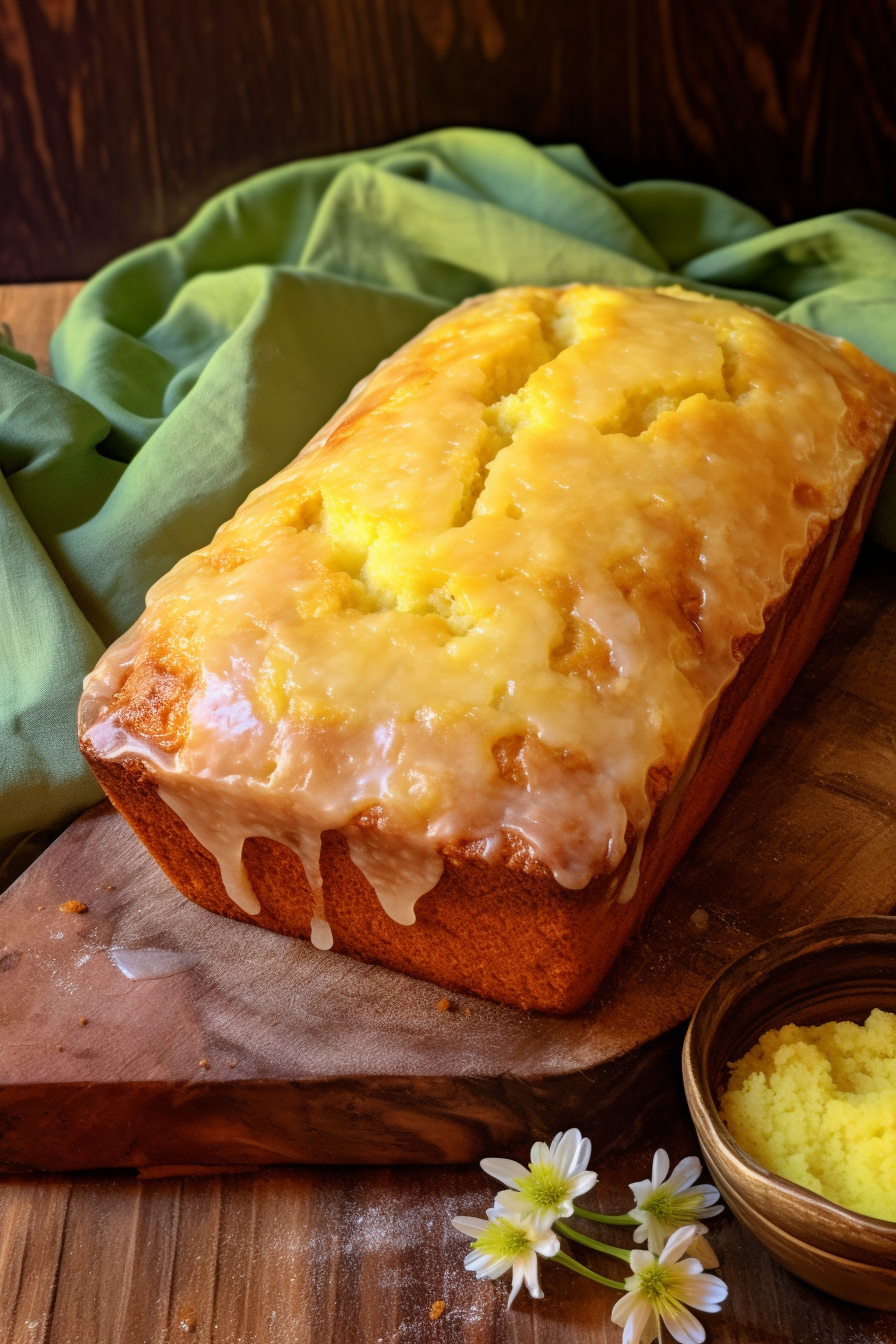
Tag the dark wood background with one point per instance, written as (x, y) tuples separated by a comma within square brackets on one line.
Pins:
[(118, 117)]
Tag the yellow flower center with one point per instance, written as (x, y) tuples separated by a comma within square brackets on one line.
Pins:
[(671, 1209), (501, 1238), (654, 1284), (543, 1186)]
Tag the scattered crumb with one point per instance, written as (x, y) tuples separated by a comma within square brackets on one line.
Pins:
[(436, 1310), (203, 1064), (74, 907), (700, 919), (187, 1321), (231, 1063), (61, 1049), (444, 1005), (41, 907), (108, 888), (82, 1021), (466, 1012)]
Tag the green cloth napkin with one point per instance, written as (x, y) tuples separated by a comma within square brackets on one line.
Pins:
[(191, 370)]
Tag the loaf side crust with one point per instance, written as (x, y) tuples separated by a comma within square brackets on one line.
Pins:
[(508, 931)]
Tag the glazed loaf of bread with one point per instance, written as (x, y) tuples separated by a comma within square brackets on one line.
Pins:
[(455, 689)]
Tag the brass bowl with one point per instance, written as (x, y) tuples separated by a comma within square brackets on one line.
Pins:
[(828, 972)]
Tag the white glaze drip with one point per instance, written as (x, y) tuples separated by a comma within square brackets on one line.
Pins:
[(225, 846), (399, 873), (321, 934)]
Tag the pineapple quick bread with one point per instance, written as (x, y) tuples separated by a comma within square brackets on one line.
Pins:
[(455, 689)]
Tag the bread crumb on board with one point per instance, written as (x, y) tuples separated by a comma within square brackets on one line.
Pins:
[(444, 1005), (82, 1021), (203, 1064), (73, 907), (436, 1310), (700, 919)]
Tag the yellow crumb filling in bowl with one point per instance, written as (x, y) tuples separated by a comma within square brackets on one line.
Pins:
[(817, 1105)]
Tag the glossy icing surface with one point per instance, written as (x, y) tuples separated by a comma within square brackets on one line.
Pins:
[(499, 595)]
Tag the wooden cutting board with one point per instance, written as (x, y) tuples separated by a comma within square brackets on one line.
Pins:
[(235, 1046)]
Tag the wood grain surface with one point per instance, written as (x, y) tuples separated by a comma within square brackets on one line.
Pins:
[(118, 118), (31, 313), (342, 1256)]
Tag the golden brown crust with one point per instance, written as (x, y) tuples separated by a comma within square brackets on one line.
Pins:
[(508, 931), (340, 598)]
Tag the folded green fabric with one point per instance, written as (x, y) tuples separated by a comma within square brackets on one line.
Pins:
[(190, 371)]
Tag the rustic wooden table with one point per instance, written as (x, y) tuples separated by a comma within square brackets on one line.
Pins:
[(305, 1255)]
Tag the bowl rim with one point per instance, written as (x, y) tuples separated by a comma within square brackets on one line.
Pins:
[(853, 930)]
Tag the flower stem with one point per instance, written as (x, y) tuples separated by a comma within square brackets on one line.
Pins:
[(617, 1219), (592, 1245), (568, 1261)]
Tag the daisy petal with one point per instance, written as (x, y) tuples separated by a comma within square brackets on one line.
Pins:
[(641, 1319), (548, 1245), (518, 1205), (704, 1291), (583, 1157), (540, 1153), (513, 1201), (656, 1233), (516, 1282), (688, 1268), (471, 1227), (704, 1253), (693, 1265), (640, 1190), (485, 1266), (660, 1167), (677, 1244), (564, 1157), (685, 1174), (504, 1169), (683, 1326), (640, 1260), (624, 1308), (475, 1260), (579, 1185), (529, 1265), (555, 1141)]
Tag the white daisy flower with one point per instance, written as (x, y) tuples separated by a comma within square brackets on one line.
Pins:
[(666, 1202), (660, 1290), (505, 1241), (554, 1178)]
